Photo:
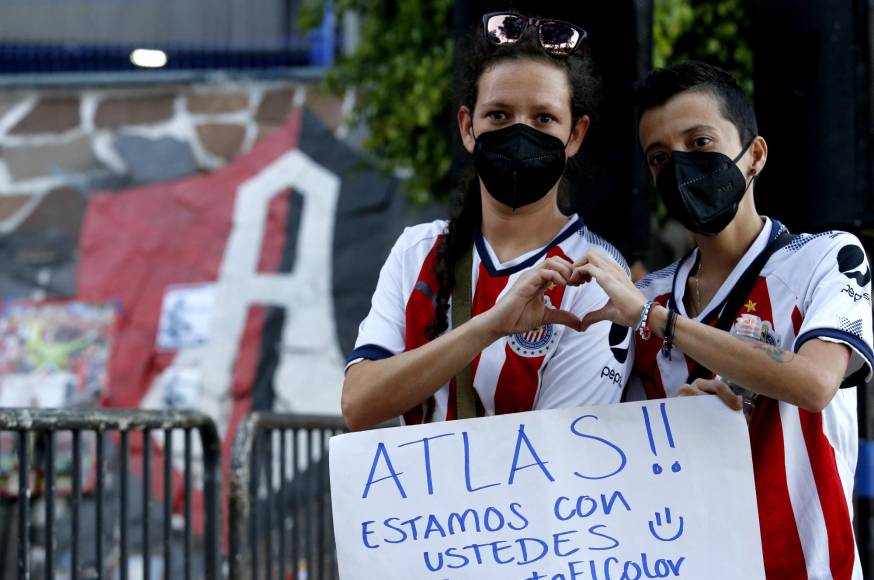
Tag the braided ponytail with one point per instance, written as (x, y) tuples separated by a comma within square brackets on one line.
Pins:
[(465, 222)]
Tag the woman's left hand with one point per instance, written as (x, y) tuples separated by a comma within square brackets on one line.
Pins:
[(522, 307), (713, 387), (625, 301)]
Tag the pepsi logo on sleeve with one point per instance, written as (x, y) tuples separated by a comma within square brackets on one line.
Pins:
[(852, 264)]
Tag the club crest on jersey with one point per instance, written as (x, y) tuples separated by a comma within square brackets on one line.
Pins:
[(537, 342)]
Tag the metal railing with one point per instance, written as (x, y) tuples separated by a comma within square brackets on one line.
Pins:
[(103, 437), (279, 502)]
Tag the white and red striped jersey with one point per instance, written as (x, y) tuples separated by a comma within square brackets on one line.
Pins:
[(816, 287), (547, 368)]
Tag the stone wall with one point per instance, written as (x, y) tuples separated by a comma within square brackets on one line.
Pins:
[(93, 136), (58, 146)]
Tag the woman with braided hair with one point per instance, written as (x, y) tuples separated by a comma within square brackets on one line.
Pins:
[(509, 342)]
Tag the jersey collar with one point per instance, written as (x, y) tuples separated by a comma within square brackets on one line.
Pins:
[(689, 263), (496, 268)]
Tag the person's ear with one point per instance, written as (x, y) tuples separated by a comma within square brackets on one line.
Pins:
[(465, 127), (578, 134), (759, 152)]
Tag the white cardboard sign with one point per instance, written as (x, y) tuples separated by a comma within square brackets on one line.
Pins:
[(661, 489)]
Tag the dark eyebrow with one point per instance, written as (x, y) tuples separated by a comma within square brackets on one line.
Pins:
[(689, 131), (652, 146), (696, 128)]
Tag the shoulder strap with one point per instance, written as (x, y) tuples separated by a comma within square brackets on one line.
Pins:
[(740, 294), (465, 400)]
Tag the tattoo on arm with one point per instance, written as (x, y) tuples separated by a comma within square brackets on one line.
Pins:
[(776, 353)]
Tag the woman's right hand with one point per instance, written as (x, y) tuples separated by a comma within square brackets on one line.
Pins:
[(625, 301), (523, 307)]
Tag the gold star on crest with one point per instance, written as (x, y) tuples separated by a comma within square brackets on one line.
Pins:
[(750, 306)]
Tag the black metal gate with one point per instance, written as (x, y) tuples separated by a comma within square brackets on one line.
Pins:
[(279, 499), (72, 505)]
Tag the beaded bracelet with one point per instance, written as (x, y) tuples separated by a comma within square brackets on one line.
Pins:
[(642, 326)]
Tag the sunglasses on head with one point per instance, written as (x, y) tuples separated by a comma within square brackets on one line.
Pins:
[(555, 36)]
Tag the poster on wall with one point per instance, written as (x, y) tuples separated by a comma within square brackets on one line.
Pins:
[(52, 354), (186, 316)]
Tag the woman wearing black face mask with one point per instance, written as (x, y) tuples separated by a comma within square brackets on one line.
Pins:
[(497, 273), (785, 320)]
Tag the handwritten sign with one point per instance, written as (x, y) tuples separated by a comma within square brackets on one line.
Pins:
[(662, 489)]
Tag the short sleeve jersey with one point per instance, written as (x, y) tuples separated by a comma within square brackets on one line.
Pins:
[(816, 287), (550, 367)]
